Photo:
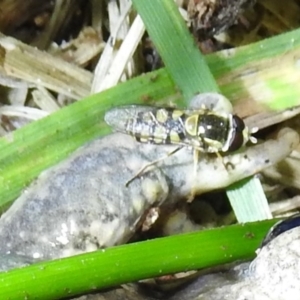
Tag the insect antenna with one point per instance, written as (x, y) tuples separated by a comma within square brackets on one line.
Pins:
[(253, 139)]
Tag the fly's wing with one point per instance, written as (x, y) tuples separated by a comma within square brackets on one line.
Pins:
[(118, 117)]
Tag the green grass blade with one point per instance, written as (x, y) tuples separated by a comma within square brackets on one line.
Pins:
[(266, 72), (183, 60), (127, 263), (249, 201)]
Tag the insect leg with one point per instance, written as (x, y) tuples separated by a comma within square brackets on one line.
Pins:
[(142, 170), (193, 190)]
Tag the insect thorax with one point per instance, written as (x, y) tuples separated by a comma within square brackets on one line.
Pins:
[(209, 130)]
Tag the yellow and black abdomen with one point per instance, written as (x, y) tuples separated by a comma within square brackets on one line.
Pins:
[(157, 126), (149, 124)]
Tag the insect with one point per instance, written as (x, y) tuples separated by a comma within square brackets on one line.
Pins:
[(202, 129)]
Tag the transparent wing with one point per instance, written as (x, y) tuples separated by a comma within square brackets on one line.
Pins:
[(118, 117)]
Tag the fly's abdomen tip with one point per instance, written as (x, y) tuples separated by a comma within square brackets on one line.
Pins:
[(109, 117), (117, 119)]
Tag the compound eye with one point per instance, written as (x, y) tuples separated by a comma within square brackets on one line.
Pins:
[(238, 123), (237, 139)]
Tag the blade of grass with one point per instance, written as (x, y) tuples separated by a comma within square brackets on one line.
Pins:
[(169, 33), (117, 265), (248, 204), (266, 71)]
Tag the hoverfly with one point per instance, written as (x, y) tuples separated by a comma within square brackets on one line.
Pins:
[(203, 130)]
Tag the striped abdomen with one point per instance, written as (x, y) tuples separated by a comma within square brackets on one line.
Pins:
[(157, 126)]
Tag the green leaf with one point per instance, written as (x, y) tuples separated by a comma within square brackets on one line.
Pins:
[(178, 50), (117, 265), (249, 201)]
